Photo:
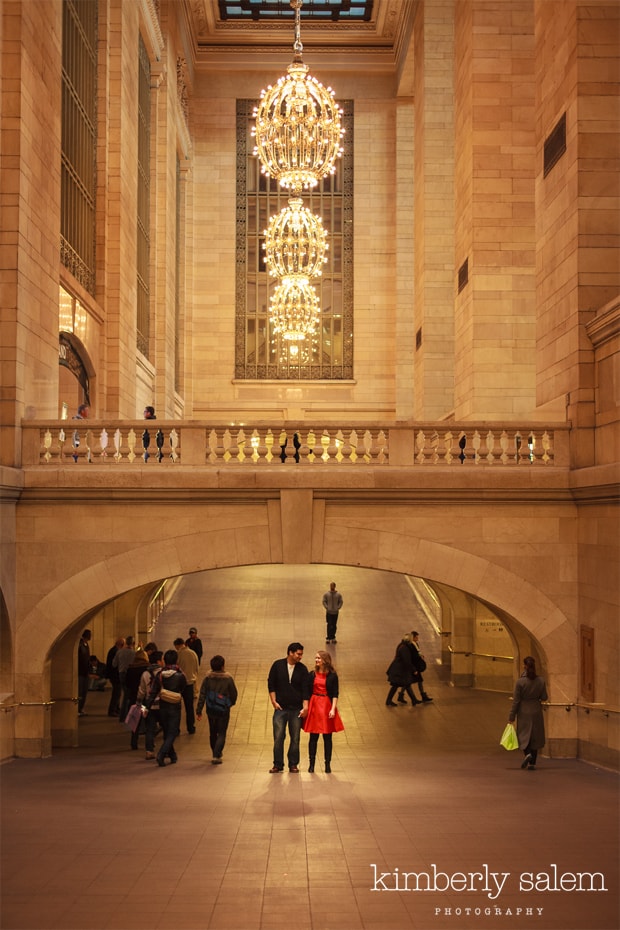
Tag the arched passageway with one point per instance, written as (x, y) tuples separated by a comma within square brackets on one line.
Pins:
[(249, 614), (129, 567)]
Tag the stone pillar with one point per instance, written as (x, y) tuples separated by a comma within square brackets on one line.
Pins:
[(494, 197), (30, 100), (433, 335), (578, 224)]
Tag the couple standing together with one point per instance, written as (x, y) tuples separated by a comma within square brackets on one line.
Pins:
[(300, 697)]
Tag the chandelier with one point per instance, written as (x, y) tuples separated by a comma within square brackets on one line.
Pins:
[(295, 308), (298, 136), (295, 242), (298, 125)]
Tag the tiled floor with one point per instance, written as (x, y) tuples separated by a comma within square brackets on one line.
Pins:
[(97, 838)]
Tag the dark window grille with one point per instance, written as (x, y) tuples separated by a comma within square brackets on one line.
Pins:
[(258, 353), (463, 277), (79, 140), (178, 324), (555, 145), (144, 201)]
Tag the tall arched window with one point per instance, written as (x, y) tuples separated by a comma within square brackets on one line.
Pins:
[(143, 310), (79, 140)]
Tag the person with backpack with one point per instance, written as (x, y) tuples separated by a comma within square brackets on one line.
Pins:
[(219, 693), (153, 720), (168, 688)]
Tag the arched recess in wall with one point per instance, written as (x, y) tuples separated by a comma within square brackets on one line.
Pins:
[(75, 382), (6, 653), (482, 646)]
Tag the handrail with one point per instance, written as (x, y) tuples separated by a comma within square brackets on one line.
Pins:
[(115, 442), (479, 655), (7, 707), (589, 708)]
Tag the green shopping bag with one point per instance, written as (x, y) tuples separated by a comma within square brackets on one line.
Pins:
[(509, 738)]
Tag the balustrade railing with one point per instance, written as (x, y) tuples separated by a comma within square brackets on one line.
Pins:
[(191, 443)]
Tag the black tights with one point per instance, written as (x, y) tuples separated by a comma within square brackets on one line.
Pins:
[(407, 688), (327, 746)]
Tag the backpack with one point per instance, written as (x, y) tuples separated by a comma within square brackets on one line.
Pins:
[(217, 703)]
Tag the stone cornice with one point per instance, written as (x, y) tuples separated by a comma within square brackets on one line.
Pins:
[(150, 22), (606, 323)]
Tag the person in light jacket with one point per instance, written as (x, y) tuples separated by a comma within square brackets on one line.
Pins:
[(332, 602), (529, 691)]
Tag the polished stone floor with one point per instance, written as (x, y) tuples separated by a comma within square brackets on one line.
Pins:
[(98, 838)]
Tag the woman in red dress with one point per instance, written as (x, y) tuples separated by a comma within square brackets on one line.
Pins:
[(322, 714)]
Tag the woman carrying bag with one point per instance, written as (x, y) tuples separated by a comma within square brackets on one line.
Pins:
[(529, 691)]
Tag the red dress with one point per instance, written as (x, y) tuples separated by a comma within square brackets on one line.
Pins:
[(318, 719)]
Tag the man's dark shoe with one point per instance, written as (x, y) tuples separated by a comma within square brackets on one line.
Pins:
[(294, 769), (275, 770)]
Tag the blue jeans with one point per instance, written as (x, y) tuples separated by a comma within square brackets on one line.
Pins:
[(281, 718)]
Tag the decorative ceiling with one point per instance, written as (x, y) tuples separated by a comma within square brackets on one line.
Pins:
[(263, 10), (365, 34)]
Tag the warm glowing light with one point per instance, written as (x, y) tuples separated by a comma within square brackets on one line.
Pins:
[(298, 130), (295, 242), (294, 309), (298, 136)]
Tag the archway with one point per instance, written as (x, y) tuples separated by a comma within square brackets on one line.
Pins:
[(222, 547), (76, 375), (65, 729)]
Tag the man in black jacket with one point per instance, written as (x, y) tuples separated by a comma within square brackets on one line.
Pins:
[(286, 682)]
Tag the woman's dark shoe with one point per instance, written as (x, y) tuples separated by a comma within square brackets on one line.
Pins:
[(402, 699), (390, 704), (426, 698), (311, 767), (526, 761), (328, 768), (161, 762)]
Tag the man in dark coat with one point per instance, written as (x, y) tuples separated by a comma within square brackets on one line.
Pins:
[(83, 670), (286, 683)]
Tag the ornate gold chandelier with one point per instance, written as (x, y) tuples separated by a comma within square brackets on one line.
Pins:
[(298, 136), (294, 308), (295, 242), (298, 125)]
